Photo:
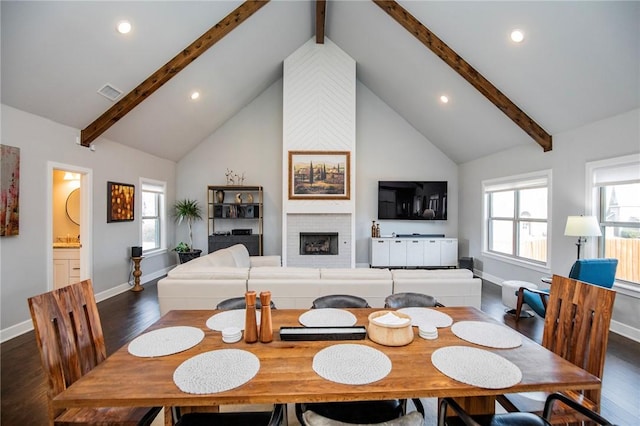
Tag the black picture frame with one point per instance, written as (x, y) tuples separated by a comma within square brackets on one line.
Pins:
[(120, 202)]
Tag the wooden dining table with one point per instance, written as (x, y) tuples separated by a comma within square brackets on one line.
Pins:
[(286, 375)]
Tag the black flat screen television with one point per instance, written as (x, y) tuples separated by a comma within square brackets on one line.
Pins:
[(412, 200)]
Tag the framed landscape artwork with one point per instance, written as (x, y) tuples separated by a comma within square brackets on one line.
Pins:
[(120, 203), (319, 175)]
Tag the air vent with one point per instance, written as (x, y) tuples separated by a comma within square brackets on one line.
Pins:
[(110, 92)]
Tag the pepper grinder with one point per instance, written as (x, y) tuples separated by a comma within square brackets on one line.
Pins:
[(266, 326), (250, 324)]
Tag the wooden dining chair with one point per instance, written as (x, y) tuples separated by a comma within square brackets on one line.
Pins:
[(576, 327), (70, 340), (356, 412), (600, 271)]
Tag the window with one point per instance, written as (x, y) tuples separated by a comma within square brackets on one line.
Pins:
[(516, 217), (153, 215), (616, 202)]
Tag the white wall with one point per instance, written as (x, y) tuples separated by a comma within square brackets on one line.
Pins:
[(389, 148), (612, 137), (24, 257), (251, 142)]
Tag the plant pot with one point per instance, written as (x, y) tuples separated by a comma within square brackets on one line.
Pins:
[(186, 256)]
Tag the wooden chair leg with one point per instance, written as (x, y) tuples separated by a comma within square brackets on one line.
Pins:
[(168, 416)]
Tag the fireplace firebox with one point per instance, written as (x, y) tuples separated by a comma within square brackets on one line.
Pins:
[(318, 243)]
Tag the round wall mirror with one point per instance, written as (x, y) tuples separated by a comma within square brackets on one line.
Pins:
[(73, 206)]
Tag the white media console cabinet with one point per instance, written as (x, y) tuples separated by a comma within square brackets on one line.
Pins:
[(414, 251)]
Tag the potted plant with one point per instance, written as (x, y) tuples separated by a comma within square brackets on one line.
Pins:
[(189, 211)]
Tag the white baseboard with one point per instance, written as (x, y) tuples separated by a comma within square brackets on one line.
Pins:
[(26, 326), (625, 330), (491, 278)]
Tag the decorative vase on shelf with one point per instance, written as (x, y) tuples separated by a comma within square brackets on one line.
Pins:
[(220, 196)]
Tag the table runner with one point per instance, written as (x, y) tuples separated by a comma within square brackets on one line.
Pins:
[(476, 367), (351, 364), (487, 334), (327, 317), (165, 341), (216, 371)]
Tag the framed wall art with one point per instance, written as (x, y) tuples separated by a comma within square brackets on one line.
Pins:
[(319, 175), (9, 190), (120, 202)]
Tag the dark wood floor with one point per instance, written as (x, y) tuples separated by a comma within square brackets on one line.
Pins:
[(126, 315)]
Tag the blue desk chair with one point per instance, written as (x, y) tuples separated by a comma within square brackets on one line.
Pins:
[(601, 272)]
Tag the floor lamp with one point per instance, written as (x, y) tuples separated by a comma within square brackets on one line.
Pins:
[(582, 227)]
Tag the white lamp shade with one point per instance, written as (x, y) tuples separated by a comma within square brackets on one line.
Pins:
[(582, 226)]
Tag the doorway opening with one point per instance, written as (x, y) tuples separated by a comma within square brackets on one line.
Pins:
[(69, 225)]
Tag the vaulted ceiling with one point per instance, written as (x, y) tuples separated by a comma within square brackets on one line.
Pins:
[(579, 62)]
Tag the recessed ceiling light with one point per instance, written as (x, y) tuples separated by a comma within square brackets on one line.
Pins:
[(124, 27), (195, 95), (444, 99), (517, 36)]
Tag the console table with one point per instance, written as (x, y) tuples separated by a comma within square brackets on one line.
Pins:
[(415, 251)]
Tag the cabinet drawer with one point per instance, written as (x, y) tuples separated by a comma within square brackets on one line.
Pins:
[(74, 269)]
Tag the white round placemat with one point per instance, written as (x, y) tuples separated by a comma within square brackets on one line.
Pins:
[(233, 318), (351, 364), (216, 371), (427, 316), (165, 341), (487, 334), (476, 367), (327, 317)]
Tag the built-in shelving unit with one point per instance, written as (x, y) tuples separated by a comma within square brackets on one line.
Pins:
[(234, 216)]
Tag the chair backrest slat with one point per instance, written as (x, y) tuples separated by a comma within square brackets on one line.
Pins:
[(69, 334), (577, 324)]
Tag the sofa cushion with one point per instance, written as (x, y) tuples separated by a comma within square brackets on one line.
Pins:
[(431, 274), (217, 258), (261, 261), (208, 272), (240, 255), (354, 274), (277, 272)]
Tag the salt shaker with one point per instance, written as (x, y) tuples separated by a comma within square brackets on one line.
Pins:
[(250, 324), (266, 326)]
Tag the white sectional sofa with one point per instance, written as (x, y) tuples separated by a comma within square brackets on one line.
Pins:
[(451, 287), (299, 287), (204, 282)]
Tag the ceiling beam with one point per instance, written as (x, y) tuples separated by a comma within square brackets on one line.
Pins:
[(451, 58), (321, 6), (169, 70)]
